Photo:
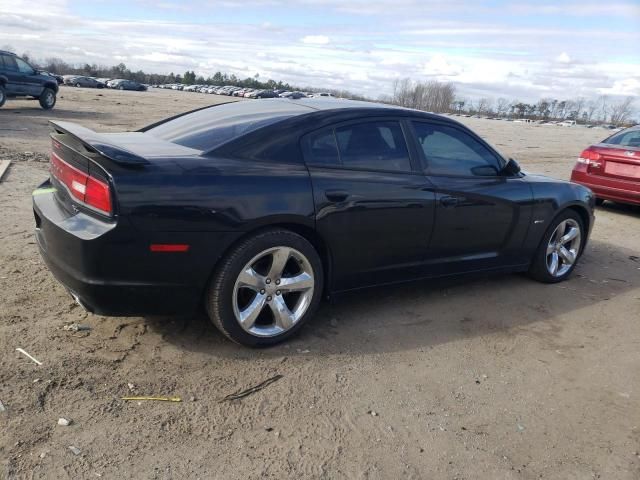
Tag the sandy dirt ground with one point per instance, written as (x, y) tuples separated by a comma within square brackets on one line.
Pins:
[(491, 378)]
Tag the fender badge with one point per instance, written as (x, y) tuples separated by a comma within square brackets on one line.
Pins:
[(538, 221)]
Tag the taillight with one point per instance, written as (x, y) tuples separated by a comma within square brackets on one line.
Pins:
[(589, 157), (84, 188)]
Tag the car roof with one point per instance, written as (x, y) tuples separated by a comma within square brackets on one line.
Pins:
[(6, 52)]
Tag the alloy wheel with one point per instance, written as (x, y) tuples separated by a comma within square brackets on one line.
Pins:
[(563, 247), (273, 291)]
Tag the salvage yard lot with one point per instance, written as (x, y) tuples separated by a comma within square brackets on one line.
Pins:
[(493, 377)]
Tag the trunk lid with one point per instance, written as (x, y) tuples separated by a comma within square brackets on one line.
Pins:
[(616, 161), (77, 151)]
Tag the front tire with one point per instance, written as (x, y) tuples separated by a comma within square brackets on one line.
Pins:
[(47, 99), (3, 95), (265, 288), (560, 249)]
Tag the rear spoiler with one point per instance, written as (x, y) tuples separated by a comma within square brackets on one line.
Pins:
[(95, 142)]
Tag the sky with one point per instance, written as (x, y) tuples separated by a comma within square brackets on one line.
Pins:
[(522, 50)]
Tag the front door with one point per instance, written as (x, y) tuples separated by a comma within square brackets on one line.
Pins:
[(482, 216)]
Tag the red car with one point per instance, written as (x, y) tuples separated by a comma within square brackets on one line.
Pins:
[(612, 168)]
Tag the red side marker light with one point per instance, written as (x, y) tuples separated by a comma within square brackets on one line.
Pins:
[(169, 247)]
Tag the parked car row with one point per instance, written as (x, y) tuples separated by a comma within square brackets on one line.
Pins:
[(82, 81), (235, 91)]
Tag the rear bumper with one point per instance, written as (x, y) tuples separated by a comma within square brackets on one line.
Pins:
[(123, 298), (108, 267), (624, 191)]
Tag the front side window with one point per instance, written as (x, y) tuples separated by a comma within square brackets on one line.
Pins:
[(451, 151), (24, 67), (373, 145)]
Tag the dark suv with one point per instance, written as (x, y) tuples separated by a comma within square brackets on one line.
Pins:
[(19, 79)]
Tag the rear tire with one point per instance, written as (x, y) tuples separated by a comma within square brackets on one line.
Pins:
[(551, 262), (270, 309), (47, 99), (3, 95)]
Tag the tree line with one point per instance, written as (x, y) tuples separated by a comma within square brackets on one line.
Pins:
[(440, 97), (432, 96), (61, 67)]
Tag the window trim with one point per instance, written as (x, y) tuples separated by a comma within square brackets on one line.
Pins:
[(425, 162), (408, 139)]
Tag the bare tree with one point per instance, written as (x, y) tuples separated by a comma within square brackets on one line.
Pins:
[(590, 110), (432, 96), (484, 106), (603, 107), (502, 106), (621, 111)]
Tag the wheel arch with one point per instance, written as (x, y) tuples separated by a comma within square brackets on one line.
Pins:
[(52, 85), (586, 221), (306, 231), (3, 80)]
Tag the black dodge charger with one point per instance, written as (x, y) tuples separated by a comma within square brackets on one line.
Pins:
[(257, 209)]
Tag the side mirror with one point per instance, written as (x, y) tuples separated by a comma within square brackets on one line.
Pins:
[(511, 168)]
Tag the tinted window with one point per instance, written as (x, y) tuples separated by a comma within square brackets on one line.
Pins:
[(209, 128), (450, 151), (9, 63), (320, 148), (373, 145), (626, 138)]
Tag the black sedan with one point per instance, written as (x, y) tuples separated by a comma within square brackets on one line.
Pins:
[(255, 210)]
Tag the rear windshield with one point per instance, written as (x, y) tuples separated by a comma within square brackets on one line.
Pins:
[(626, 138), (209, 128)]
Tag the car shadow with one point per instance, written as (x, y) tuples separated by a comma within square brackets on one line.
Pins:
[(622, 208), (425, 314)]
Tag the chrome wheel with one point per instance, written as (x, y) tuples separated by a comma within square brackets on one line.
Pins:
[(563, 247), (273, 291)]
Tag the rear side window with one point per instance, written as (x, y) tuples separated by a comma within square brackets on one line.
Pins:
[(625, 138), (368, 145), (373, 145), (320, 148), (450, 151)]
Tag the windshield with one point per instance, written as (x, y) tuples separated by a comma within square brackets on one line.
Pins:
[(211, 127)]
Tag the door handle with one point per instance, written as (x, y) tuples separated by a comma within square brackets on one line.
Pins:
[(336, 195), (448, 201)]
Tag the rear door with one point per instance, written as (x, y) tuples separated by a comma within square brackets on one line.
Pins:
[(481, 216), (372, 204)]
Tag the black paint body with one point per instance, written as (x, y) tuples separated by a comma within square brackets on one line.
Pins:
[(370, 227)]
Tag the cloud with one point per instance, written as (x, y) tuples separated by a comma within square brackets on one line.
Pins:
[(315, 39), (361, 45)]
